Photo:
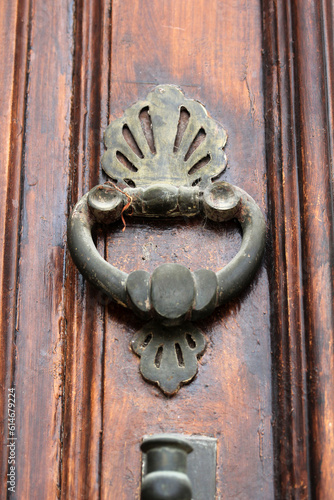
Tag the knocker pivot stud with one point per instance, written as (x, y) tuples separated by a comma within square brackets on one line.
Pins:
[(167, 170)]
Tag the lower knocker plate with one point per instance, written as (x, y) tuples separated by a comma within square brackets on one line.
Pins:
[(168, 355), (162, 156)]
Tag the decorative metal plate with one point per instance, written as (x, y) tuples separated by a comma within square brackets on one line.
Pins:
[(157, 148), (163, 155), (169, 355)]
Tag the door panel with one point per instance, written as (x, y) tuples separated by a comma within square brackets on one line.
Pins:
[(201, 50), (36, 175), (265, 383)]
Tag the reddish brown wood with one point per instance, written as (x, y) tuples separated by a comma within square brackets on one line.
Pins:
[(84, 306), (14, 20), (40, 181), (214, 53), (299, 91), (288, 327), (82, 407), (317, 238)]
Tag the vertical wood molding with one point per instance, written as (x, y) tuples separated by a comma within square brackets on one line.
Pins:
[(83, 407), (14, 48), (317, 236), (298, 47), (33, 262), (289, 364)]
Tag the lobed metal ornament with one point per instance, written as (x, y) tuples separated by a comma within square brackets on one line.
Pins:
[(167, 170)]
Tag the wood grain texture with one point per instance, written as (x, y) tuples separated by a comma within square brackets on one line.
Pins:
[(286, 275), (84, 306), (40, 183), (214, 54), (299, 114), (317, 239), (14, 28), (266, 381)]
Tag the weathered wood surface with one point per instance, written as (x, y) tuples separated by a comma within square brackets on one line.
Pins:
[(299, 117), (265, 384), (214, 54), (83, 396), (13, 53), (315, 150), (36, 175)]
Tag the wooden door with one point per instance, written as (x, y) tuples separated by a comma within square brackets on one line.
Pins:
[(265, 387)]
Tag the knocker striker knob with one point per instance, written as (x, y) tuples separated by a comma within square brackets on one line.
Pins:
[(172, 293), (170, 177)]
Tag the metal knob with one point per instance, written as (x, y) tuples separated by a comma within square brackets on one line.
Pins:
[(166, 469)]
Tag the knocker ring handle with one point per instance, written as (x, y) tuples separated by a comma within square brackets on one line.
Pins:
[(171, 294), (170, 150)]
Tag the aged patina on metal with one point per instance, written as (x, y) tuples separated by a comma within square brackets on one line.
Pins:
[(170, 461), (166, 468), (160, 178)]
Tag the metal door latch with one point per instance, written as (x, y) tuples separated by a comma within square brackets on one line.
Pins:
[(178, 467), (166, 169)]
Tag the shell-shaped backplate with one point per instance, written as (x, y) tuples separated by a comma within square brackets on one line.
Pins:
[(166, 138)]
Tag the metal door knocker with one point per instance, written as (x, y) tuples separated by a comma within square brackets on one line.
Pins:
[(166, 170)]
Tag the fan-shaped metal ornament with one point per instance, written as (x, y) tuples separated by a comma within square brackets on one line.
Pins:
[(167, 157), (163, 156)]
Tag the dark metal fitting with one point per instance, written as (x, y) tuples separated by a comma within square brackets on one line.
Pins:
[(167, 181), (166, 469)]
